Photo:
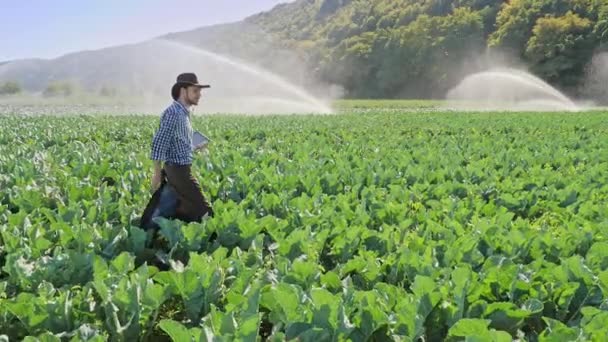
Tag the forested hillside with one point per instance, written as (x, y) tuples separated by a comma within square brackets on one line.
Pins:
[(418, 48)]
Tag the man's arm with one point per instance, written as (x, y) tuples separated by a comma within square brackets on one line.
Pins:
[(162, 138), (160, 145), (158, 166)]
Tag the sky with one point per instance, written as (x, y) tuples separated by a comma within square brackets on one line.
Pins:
[(51, 28)]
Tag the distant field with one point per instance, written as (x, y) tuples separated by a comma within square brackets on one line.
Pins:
[(491, 226), (124, 106), (99, 105), (61, 107), (387, 104)]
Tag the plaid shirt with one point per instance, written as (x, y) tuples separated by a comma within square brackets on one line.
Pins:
[(172, 142)]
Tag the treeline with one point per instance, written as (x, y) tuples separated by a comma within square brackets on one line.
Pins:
[(59, 89), (414, 48), (10, 88)]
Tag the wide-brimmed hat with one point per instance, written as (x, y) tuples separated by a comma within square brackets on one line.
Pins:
[(188, 79)]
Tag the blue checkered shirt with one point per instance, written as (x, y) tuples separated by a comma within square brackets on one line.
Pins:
[(172, 142)]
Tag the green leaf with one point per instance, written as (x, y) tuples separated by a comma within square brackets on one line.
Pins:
[(603, 282), (314, 335), (170, 230), (577, 270), (372, 314), (193, 236), (228, 324), (331, 281), (175, 330), (353, 266), (533, 306), (28, 309), (326, 305), (154, 295), (294, 330), (249, 327), (190, 288), (595, 322), (469, 327), (597, 256), (46, 337), (212, 323), (476, 330), (41, 244), (137, 238), (304, 271), (558, 331), (253, 294), (123, 263), (566, 295), (283, 301), (500, 336), (423, 285), (505, 316), (461, 277)]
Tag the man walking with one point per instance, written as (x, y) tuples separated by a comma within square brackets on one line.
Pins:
[(172, 144)]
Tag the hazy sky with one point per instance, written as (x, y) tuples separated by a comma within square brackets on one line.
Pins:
[(50, 28)]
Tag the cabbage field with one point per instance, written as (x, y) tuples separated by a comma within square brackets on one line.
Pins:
[(369, 225)]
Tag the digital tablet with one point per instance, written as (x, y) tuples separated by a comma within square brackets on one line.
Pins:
[(199, 139)]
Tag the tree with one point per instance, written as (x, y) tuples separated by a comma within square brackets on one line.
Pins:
[(488, 9), (10, 88), (600, 31), (59, 88), (108, 91), (560, 47), (329, 7), (413, 48), (514, 24)]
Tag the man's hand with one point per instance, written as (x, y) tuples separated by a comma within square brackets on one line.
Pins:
[(156, 179), (157, 176), (201, 147)]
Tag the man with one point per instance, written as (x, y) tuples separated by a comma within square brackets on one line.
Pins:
[(172, 144)]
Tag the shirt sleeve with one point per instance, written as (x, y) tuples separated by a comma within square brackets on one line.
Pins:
[(164, 135)]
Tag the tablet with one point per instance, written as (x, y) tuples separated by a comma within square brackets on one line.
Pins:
[(199, 139)]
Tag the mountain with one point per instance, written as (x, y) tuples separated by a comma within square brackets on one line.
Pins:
[(370, 48), (149, 68), (142, 65)]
